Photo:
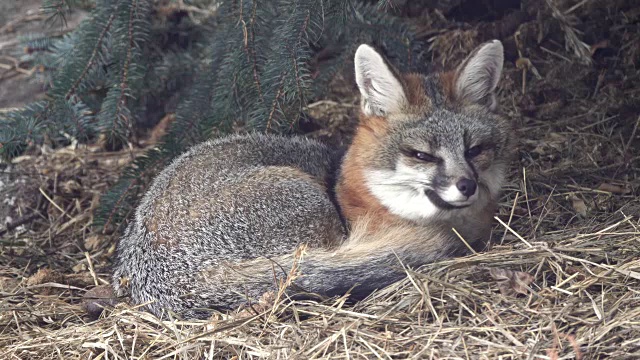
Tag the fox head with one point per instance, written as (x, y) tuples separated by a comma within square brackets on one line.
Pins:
[(428, 145)]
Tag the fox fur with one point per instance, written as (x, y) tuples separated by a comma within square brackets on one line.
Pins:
[(220, 225)]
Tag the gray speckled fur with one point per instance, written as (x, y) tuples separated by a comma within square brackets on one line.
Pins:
[(264, 213)]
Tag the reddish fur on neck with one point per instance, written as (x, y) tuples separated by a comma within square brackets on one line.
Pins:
[(356, 201)]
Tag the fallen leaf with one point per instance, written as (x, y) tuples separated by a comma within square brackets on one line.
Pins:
[(616, 189), (93, 242), (71, 187), (8, 283), (79, 267), (511, 282), (159, 130), (43, 276), (96, 299), (579, 206), (552, 143)]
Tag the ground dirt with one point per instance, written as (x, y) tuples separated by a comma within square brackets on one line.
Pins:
[(20, 18)]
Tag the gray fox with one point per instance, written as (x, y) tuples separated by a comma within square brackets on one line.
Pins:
[(219, 226)]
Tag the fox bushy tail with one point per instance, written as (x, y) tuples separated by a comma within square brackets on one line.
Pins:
[(362, 264)]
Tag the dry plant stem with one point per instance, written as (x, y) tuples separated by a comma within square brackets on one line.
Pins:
[(573, 42)]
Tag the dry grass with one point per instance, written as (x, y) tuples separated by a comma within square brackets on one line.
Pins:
[(583, 304), (561, 280)]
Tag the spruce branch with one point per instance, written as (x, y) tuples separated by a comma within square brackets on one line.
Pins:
[(297, 75), (218, 65), (251, 52), (122, 101), (56, 9), (92, 58), (121, 197), (116, 115), (274, 104)]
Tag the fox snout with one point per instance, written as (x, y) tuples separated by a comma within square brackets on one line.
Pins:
[(455, 191), (467, 187)]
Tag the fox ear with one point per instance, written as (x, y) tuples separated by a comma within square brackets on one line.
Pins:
[(381, 91), (479, 74)]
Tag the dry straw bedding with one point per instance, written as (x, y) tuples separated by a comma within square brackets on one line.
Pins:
[(560, 281), (582, 303), (583, 258)]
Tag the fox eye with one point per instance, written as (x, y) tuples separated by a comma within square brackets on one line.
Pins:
[(425, 157), (474, 151)]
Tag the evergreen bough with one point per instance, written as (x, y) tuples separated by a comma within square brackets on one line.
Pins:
[(230, 63)]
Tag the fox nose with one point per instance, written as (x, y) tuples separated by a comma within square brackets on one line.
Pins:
[(467, 186)]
